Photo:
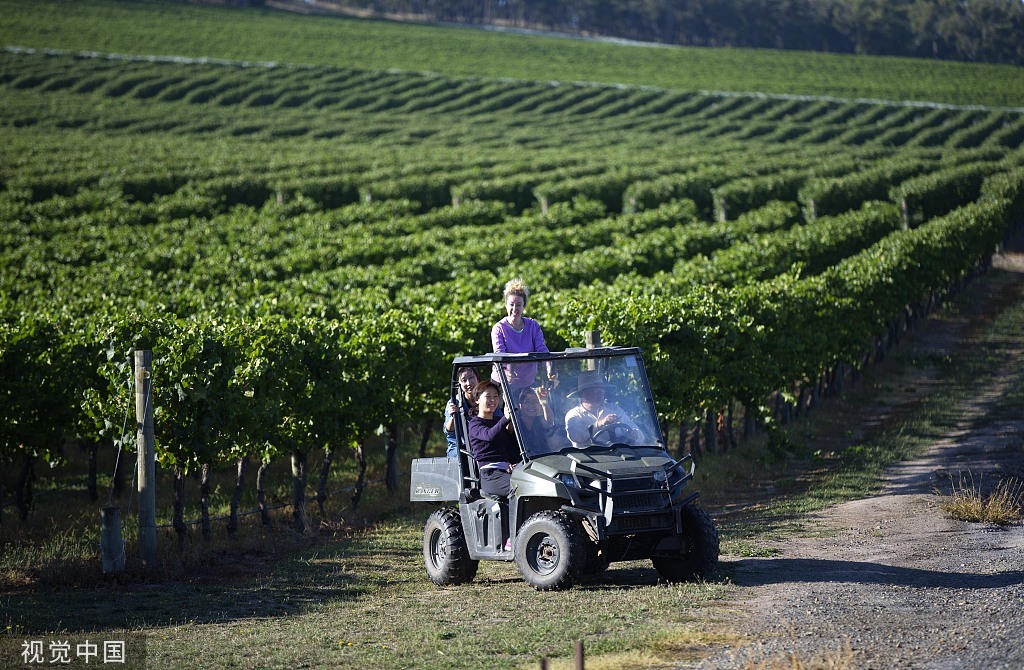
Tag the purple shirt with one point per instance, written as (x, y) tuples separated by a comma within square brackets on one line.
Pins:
[(506, 339)]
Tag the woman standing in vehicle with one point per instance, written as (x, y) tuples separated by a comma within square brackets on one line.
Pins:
[(517, 334)]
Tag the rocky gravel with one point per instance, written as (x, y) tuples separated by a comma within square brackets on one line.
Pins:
[(890, 582), (890, 578)]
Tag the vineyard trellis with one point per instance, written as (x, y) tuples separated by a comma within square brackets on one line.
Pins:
[(306, 253)]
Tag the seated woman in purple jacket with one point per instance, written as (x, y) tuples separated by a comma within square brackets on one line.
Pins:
[(491, 441), (517, 334)]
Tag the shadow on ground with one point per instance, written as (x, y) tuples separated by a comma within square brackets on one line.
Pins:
[(766, 571)]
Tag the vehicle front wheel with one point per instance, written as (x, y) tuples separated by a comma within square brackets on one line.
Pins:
[(445, 552), (698, 557), (549, 551)]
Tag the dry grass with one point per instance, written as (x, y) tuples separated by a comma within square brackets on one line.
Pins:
[(1003, 505), (843, 658), (686, 642)]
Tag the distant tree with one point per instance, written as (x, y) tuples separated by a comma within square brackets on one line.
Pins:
[(991, 30), (874, 26), (980, 30), (925, 19)]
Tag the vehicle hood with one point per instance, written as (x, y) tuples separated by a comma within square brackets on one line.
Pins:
[(620, 460)]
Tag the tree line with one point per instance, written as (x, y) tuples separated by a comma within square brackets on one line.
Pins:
[(968, 30)]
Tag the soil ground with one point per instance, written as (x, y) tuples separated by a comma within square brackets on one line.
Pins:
[(890, 581)]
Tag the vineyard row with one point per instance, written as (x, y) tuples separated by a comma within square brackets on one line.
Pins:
[(272, 385)]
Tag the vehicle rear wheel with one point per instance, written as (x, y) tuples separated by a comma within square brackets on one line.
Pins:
[(445, 552), (699, 556), (549, 551)]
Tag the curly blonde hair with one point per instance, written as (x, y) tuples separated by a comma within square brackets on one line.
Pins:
[(516, 287)]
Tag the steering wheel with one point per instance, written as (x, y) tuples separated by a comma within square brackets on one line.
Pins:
[(614, 432)]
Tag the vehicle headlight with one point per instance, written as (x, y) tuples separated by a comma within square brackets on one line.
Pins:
[(568, 480), (660, 476)]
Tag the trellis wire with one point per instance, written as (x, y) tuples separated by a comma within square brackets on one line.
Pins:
[(120, 446), (278, 506)]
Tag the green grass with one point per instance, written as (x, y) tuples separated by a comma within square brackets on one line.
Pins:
[(252, 35), (1000, 344), (352, 595), (364, 601)]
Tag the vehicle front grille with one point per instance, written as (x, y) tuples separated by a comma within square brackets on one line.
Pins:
[(635, 484), (632, 523), (642, 501)]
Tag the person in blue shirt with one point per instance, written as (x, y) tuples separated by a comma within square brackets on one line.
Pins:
[(467, 379)]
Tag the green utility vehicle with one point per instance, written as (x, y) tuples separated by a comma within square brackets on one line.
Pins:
[(594, 485)]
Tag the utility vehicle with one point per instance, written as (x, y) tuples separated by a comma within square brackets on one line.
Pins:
[(590, 489)]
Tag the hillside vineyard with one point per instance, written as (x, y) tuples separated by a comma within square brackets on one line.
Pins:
[(305, 248)]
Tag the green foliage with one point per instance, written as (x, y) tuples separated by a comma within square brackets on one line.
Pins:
[(306, 248), (926, 196), (823, 196)]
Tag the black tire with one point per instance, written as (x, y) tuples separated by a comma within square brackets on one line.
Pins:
[(698, 558), (549, 551), (445, 553)]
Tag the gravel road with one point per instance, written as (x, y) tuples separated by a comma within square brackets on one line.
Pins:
[(890, 581), (905, 586)]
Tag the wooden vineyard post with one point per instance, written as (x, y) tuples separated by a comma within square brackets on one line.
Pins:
[(147, 455), (111, 544), (577, 657), (593, 340)]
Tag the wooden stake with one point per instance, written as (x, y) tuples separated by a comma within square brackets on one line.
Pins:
[(111, 545), (147, 456), (593, 339)]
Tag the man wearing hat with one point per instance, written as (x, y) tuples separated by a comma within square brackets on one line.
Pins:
[(594, 416)]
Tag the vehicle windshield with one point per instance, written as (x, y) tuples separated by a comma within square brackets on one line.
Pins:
[(581, 403)]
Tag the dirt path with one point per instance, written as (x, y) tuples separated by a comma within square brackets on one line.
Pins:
[(890, 581)]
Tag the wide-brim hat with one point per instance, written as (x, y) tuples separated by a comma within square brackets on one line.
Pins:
[(590, 379)]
